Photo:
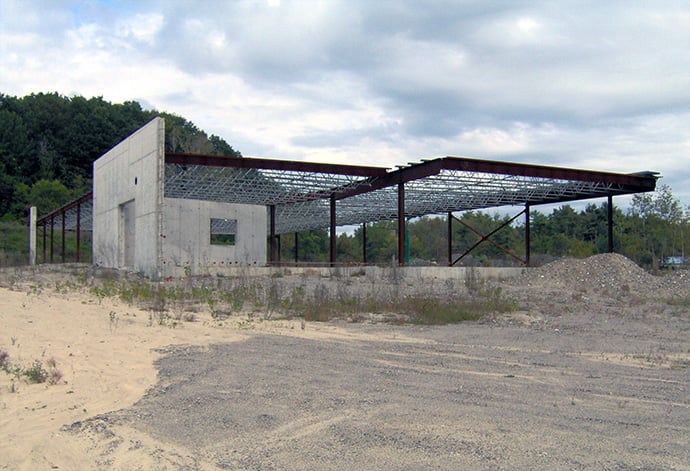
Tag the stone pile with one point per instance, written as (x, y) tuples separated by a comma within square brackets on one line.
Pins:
[(613, 274)]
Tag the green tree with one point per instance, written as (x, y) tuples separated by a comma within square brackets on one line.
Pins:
[(428, 239), (46, 195), (382, 241), (661, 222)]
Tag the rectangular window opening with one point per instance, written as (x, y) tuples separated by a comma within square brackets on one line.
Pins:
[(223, 231)]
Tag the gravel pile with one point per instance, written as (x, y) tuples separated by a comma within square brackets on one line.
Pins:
[(613, 274)]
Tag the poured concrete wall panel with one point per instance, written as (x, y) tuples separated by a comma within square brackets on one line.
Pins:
[(127, 202), (187, 235)]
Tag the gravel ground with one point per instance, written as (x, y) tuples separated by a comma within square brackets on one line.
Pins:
[(592, 373)]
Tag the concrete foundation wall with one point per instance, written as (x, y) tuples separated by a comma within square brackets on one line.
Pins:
[(187, 231), (127, 202), (369, 273)]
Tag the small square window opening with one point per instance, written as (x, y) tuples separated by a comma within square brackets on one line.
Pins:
[(223, 231)]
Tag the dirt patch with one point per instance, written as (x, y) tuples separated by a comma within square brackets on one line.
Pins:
[(596, 359), (458, 397)]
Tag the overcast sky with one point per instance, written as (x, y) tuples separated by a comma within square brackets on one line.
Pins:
[(596, 85)]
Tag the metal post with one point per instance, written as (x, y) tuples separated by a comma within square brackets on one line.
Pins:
[(364, 243), (78, 232), (333, 238), (272, 235), (450, 239), (63, 237), (401, 224), (296, 248), (527, 236), (280, 248), (610, 222), (32, 235), (407, 244), (45, 233), (52, 237)]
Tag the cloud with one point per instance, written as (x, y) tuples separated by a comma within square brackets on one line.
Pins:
[(582, 84)]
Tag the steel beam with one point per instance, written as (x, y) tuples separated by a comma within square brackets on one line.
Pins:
[(643, 182), (271, 164), (72, 204)]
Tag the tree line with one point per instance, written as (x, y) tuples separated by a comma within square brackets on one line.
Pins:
[(48, 143), (652, 231)]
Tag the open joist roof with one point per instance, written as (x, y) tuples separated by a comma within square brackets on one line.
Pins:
[(301, 191)]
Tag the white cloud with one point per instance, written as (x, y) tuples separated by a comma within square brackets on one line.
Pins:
[(142, 27), (597, 85)]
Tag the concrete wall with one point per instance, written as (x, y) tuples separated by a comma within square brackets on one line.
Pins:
[(368, 273), (127, 202), (186, 236)]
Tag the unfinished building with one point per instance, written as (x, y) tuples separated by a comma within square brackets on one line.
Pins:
[(163, 214)]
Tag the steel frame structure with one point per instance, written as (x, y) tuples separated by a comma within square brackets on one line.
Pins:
[(303, 195)]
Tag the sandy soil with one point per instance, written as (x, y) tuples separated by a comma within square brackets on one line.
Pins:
[(585, 376)]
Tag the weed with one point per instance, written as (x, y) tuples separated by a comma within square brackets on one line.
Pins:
[(54, 376), (113, 320), (432, 311), (679, 301), (4, 361), (247, 323), (321, 301), (35, 373)]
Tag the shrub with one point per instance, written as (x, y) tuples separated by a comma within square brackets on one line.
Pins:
[(36, 373)]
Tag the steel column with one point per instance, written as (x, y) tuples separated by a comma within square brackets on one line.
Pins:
[(401, 224), (280, 248), (450, 238), (333, 238), (45, 233), (296, 248), (78, 233), (272, 234), (364, 243), (52, 237), (63, 237), (527, 235), (610, 222)]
